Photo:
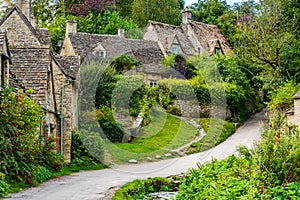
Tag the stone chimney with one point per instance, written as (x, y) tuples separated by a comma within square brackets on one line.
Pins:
[(71, 27), (186, 15), (121, 33), (25, 6)]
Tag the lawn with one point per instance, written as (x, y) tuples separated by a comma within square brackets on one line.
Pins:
[(164, 134)]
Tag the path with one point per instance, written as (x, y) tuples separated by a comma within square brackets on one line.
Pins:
[(92, 185)]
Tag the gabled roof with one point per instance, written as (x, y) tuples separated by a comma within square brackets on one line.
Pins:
[(30, 67), (45, 35), (15, 8), (85, 45), (207, 35), (68, 64), (166, 34), (4, 50)]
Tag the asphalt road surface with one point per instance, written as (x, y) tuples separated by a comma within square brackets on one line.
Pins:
[(93, 185)]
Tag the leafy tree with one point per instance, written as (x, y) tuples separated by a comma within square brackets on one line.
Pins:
[(270, 40), (106, 23), (83, 8), (43, 11), (166, 11)]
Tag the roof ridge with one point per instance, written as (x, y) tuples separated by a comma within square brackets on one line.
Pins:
[(25, 20)]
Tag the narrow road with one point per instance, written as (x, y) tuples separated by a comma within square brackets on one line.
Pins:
[(92, 185)]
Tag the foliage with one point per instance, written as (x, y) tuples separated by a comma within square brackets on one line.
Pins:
[(84, 8), (106, 23), (144, 10), (124, 63), (216, 131), (170, 131), (22, 148), (43, 11), (277, 155), (139, 188), (268, 171), (3, 185), (281, 98), (225, 179), (180, 64)]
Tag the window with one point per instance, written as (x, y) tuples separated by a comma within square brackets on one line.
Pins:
[(175, 48), (199, 50), (153, 83)]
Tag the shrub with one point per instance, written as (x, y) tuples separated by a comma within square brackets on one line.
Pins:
[(41, 174), (3, 185), (139, 188)]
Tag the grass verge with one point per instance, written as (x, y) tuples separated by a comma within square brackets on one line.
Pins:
[(217, 131)]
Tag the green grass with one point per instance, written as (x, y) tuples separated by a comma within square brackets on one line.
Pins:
[(164, 133), (216, 130)]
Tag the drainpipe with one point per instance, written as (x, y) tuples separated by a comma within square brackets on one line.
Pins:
[(61, 116)]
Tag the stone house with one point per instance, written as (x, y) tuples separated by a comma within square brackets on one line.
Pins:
[(190, 38), (293, 116), (35, 65), (5, 59)]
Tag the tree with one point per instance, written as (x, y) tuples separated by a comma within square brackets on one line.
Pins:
[(83, 8), (166, 11), (43, 11), (269, 39)]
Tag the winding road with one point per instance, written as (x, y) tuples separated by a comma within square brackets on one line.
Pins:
[(93, 185)]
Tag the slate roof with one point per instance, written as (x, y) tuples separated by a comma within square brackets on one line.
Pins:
[(85, 45), (68, 64), (30, 67), (45, 35), (25, 20), (207, 36), (166, 72), (166, 34)]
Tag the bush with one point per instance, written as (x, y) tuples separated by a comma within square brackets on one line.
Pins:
[(3, 185), (139, 188), (22, 149), (41, 174), (281, 98)]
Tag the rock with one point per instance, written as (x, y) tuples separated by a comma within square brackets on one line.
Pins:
[(168, 155), (133, 161), (161, 195), (178, 152), (158, 157), (149, 159)]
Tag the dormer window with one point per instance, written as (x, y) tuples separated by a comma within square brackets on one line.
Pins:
[(174, 48)]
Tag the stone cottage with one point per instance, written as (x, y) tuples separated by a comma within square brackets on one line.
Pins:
[(35, 65), (5, 59), (190, 38), (293, 116)]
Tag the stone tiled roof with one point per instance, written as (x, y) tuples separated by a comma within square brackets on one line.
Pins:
[(297, 95), (15, 8), (86, 45), (45, 35), (207, 35), (30, 67), (3, 44), (153, 68), (166, 33), (2, 38), (68, 64)]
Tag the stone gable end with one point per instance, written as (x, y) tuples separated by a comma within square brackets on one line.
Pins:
[(18, 33)]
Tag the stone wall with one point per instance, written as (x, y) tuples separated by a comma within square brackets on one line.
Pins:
[(18, 33), (188, 108), (65, 86)]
